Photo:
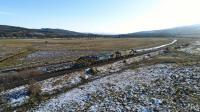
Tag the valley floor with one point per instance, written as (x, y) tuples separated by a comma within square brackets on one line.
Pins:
[(157, 87)]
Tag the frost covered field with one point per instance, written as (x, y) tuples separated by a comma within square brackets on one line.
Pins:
[(161, 87)]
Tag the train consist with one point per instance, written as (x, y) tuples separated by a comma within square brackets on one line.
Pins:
[(87, 61), (94, 59)]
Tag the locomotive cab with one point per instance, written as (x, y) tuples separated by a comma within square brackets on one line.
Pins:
[(86, 60), (133, 52), (117, 54)]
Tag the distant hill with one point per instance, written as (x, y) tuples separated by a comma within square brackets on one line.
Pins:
[(185, 31), (20, 32)]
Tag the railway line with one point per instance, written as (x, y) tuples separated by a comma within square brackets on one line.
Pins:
[(35, 65), (70, 69)]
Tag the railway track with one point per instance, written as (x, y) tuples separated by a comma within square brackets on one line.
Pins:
[(35, 65), (56, 73), (65, 71), (21, 68)]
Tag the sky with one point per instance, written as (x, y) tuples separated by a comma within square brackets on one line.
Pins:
[(100, 16)]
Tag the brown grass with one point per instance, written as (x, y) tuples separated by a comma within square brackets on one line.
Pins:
[(177, 57), (34, 88), (84, 44), (95, 45)]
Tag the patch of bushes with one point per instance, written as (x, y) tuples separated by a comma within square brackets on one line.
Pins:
[(35, 90)]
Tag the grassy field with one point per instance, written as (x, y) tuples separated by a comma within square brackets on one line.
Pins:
[(83, 44), (55, 50)]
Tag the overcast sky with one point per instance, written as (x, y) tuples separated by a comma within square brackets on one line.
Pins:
[(100, 16)]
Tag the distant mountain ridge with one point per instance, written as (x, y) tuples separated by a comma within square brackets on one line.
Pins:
[(20, 32), (185, 31)]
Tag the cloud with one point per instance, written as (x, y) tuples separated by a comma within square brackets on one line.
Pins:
[(6, 13)]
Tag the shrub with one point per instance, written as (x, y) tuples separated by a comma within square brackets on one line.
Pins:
[(124, 61), (34, 88), (94, 71), (35, 73)]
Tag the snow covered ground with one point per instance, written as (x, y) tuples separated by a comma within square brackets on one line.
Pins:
[(162, 87), (194, 48)]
